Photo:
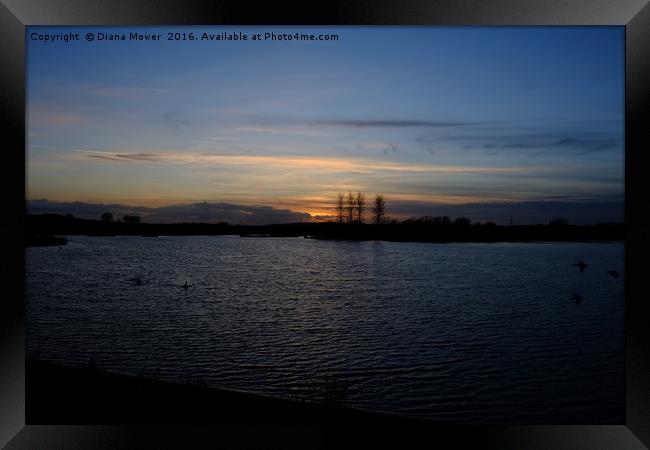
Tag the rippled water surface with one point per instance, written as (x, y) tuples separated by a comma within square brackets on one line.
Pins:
[(453, 332)]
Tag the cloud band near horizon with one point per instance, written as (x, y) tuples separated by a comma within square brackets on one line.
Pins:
[(522, 213)]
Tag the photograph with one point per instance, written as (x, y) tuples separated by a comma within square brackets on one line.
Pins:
[(421, 223)]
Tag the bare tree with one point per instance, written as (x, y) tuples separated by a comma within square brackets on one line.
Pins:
[(361, 205), (350, 204), (340, 208), (379, 209)]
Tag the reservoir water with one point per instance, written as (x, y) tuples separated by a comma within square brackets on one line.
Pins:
[(466, 333)]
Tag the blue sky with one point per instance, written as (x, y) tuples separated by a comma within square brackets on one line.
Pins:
[(431, 117)]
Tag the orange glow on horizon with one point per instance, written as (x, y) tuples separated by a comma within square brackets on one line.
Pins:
[(320, 209)]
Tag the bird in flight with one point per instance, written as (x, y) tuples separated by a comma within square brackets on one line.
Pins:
[(581, 265), (577, 297), (613, 273)]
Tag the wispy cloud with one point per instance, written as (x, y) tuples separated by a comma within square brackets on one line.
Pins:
[(146, 157), (57, 116), (324, 126), (550, 141), (125, 92), (288, 130), (388, 123), (214, 140), (580, 145), (576, 210), (384, 148), (357, 165), (205, 212)]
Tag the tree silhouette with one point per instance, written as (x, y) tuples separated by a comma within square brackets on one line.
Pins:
[(379, 209), (129, 218), (559, 222), (107, 217), (340, 208), (360, 202), (350, 204)]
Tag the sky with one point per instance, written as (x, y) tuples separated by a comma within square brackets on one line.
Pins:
[(484, 122)]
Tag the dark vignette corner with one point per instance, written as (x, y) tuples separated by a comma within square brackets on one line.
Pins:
[(418, 12), (637, 141), (12, 336)]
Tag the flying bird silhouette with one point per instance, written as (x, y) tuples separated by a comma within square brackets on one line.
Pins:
[(581, 265), (613, 273), (577, 297)]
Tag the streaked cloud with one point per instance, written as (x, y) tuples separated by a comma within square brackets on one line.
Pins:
[(522, 212), (199, 212), (541, 139), (40, 114), (357, 165), (146, 157), (388, 123), (125, 92), (288, 130), (577, 211)]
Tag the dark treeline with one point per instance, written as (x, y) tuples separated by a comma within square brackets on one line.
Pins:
[(425, 229)]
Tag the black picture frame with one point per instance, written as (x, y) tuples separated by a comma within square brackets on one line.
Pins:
[(633, 14)]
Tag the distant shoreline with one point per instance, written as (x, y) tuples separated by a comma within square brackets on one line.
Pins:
[(46, 227)]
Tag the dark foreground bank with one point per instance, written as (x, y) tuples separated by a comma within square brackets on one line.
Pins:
[(167, 415), (58, 394), (44, 241)]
